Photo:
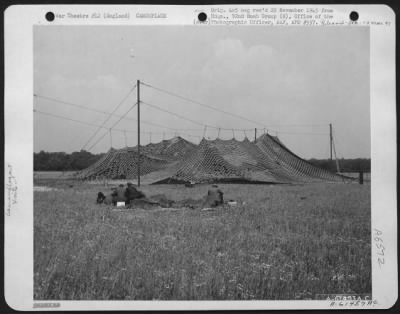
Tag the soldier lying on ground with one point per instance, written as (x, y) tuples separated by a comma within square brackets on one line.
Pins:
[(214, 198)]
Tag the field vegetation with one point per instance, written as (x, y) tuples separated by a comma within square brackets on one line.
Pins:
[(279, 242)]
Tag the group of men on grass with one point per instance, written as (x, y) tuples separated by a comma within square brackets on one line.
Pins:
[(121, 194), (129, 195)]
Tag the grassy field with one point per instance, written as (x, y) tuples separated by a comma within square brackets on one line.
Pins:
[(285, 242)]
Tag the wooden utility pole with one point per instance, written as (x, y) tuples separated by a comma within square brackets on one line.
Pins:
[(330, 137), (138, 130)]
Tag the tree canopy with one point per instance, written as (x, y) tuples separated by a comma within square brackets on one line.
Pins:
[(61, 161)]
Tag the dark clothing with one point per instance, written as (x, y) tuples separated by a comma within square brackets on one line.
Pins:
[(214, 197), (162, 200), (100, 198), (118, 195), (131, 193)]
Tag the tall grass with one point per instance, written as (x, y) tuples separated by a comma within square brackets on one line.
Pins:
[(285, 242)]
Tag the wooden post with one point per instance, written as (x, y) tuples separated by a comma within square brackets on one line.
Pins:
[(255, 134), (361, 177), (330, 138), (138, 129)]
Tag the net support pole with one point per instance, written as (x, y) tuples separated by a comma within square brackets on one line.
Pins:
[(138, 129), (330, 138), (336, 159), (204, 132)]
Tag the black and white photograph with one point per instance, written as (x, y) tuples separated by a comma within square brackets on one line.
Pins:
[(202, 163), (251, 178)]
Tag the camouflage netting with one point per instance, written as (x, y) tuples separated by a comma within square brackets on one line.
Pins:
[(122, 163), (266, 160), (289, 166)]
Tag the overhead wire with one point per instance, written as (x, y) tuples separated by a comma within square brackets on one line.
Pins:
[(190, 120), (119, 120), (226, 112), (121, 117), (180, 129), (109, 113), (69, 119), (204, 125), (200, 104), (71, 104), (177, 115), (302, 133), (216, 127), (108, 118), (107, 128)]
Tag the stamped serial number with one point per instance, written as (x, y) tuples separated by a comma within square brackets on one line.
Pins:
[(379, 244)]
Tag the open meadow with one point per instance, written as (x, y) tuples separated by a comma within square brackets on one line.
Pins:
[(280, 242)]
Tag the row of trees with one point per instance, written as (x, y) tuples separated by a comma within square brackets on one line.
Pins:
[(60, 161), (345, 165), (45, 161)]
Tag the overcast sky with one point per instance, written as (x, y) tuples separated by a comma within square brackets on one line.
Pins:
[(279, 77)]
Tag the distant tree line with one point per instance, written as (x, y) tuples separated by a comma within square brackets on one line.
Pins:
[(60, 161), (345, 165)]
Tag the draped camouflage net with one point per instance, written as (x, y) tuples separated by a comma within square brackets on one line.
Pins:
[(267, 160), (122, 163)]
